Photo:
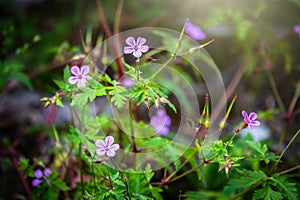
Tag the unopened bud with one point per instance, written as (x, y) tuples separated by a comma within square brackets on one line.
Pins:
[(222, 123), (157, 102), (207, 123), (244, 125), (201, 120)]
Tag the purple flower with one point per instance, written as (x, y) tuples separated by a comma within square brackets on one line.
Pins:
[(250, 120), (41, 176), (107, 147), (161, 122), (128, 82), (80, 76), (297, 29), (136, 48), (194, 31), (84, 148)]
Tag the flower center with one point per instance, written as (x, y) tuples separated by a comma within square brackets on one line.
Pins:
[(80, 77)]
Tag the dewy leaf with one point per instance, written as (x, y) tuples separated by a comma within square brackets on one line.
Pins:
[(266, 193)]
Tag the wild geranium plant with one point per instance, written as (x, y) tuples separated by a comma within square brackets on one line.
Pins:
[(123, 144)]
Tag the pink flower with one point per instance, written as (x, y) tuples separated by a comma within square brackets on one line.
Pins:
[(136, 48), (107, 147), (297, 29), (194, 31), (80, 76), (250, 120), (161, 122)]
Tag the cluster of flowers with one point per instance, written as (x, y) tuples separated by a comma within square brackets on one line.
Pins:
[(41, 176), (160, 121)]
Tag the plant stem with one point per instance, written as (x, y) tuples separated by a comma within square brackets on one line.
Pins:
[(275, 91), (289, 170), (291, 141), (108, 32), (187, 172), (162, 67), (118, 16), (247, 190), (80, 169), (183, 164), (134, 149)]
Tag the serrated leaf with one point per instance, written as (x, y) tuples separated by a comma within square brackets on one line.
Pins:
[(22, 78), (23, 164), (287, 188), (58, 182), (247, 179), (107, 79), (266, 193), (61, 84), (118, 97), (67, 73), (59, 102), (79, 99)]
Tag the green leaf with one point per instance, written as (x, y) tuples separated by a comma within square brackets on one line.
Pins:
[(118, 97), (59, 102), (247, 179), (107, 79), (58, 182), (67, 73), (79, 99), (22, 78), (23, 164), (256, 146), (51, 193), (287, 188), (266, 193), (61, 85)]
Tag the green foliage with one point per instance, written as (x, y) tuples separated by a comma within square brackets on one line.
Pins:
[(247, 179), (267, 193)]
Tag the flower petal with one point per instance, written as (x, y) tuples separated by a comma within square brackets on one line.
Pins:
[(144, 48), (252, 116), (47, 171), (128, 50), (109, 140), (114, 147), (130, 41), (245, 115), (140, 41), (84, 70), (100, 144), (137, 53), (38, 173), (73, 80), (100, 152), (255, 123), (81, 83), (75, 70), (87, 77), (110, 153), (35, 182), (194, 31)]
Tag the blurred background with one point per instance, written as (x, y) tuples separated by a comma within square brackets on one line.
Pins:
[(256, 49)]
